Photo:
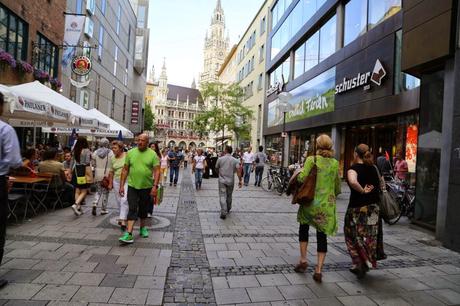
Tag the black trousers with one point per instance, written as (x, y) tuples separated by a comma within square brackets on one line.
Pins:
[(3, 213), (138, 202), (321, 238)]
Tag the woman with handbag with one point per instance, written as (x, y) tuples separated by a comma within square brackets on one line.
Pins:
[(320, 175), (362, 216), (118, 162), (102, 158), (82, 175)]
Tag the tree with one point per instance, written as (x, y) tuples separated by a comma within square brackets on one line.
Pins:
[(226, 111), (149, 118)]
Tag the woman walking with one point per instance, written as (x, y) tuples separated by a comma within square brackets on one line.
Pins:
[(164, 166), (321, 213), (362, 216), (81, 160), (199, 163), (118, 162)]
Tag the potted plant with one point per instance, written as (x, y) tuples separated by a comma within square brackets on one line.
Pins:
[(6, 59), (55, 84), (41, 76)]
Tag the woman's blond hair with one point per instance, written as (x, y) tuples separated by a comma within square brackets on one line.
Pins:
[(324, 146)]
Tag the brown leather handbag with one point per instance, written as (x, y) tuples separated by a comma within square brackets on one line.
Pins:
[(306, 193)]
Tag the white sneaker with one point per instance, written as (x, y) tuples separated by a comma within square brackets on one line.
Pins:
[(75, 210), (149, 215), (104, 212)]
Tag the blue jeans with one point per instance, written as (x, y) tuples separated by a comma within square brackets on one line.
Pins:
[(259, 173), (198, 177), (173, 174), (247, 172)]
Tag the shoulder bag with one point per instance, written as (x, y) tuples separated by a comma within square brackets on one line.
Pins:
[(389, 208), (306, 192), (105, 180)]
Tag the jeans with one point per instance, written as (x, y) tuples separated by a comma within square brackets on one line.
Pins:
[(247, 172), (198, 177), (3, 213), (259, 173), (225, 196), (102, 195), (321, 238), (174, 173)]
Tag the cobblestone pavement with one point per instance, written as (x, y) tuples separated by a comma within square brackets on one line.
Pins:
[(194, 257)]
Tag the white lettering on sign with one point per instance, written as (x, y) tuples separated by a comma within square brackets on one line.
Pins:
[(363, 79)]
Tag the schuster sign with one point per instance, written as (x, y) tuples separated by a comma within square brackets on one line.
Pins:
[(362, 79)]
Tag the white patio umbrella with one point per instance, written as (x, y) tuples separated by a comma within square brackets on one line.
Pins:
[(113, 125)]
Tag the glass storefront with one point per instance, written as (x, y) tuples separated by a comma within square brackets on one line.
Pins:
[(274, 148), (302, 144)]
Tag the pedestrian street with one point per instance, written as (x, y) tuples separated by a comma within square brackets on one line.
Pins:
[(194, 257)]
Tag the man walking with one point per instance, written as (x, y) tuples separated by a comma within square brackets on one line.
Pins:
[(140, 164), (10, 157), (259, 161), (227, 166), (248, 160), (174, 158), (103, 159)]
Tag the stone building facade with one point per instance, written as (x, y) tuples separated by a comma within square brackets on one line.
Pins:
[(118, 33)]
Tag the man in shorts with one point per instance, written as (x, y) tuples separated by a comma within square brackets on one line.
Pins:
[(141, 162)]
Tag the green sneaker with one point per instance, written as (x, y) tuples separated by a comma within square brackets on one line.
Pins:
[(144, 232), (126, 238)]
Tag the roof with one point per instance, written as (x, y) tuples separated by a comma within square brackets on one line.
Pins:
[(227, 60), (183, 92)]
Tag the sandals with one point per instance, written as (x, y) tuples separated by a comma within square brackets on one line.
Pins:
[(301, 267), (318, 277)]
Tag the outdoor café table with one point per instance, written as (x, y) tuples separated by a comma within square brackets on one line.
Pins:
[(28, 184)]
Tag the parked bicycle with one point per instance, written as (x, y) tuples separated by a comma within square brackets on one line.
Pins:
[(404, 196), (277, 179)]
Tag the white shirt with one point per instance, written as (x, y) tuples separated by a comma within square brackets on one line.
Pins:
[(199, 161), (248, 158), (10, 155)]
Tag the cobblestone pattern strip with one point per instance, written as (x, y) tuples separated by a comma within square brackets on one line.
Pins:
[(328, 267), (189, 278)]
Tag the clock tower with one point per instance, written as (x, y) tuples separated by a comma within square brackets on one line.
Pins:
[(215, 46)]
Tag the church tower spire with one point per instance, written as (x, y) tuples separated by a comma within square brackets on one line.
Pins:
[(216, 45), (163, 83)]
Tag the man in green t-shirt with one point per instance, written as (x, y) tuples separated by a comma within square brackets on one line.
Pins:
[(141, 165)]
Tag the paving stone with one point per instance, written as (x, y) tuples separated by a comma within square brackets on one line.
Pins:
[(221, 262), (354, 288), (56, 293), (247, 281), (448, 269), (93, 294), (122, 251), (80, 267), (86, 279), (21, 276), (272, 261), (326, 290), (421, 298), (231, 296), (299, 278), (50, 265), (289, 303), (110, 268), (25, 303), (62, 303), (247, 261), (410, 284), (389, 300), (55, 278), (228, 254), (21, 253), (147, 252), (447, 296), (103, 258), (19, 291), (129, 296), (357, 300), (155, 297), (220, 283), (119, 281), (150, 282), (294, 292), (272, 280), (264, 294), (324, 302), (18, 263)]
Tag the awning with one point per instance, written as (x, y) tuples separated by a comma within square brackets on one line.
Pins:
[(82, 131), (37, 92), (112, 124)]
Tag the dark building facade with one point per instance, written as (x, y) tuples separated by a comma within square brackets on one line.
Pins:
[(430, 51)]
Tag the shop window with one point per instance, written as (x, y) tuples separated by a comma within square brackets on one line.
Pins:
[(402, 81), (327, 37), (47, 58), (312, 51), (355, 20), (299, 58), (379, 10), (13, 34)]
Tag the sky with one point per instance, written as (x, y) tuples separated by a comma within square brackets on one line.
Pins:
[(178, 29)]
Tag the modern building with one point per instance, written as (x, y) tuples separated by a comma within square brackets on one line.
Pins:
[(339, 65), (430, 44), (116, 37), (246, 66), (31, 33), (216, 46), (174, 108)]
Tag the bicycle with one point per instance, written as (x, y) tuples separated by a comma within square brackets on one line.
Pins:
[(270, 182), (404, 196)]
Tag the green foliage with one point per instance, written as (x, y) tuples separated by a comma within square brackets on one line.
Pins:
[(226, 110), (149, 118)]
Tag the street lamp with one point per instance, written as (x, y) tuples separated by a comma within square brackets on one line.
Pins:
[(284, 106)]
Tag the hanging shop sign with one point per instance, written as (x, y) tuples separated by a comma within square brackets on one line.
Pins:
[(81, 65), (363, 79), (135, 112), (73, 28)]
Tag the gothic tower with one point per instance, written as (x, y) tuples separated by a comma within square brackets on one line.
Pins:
[(215, 46), (163, 83)]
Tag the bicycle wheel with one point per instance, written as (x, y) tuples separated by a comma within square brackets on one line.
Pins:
[(279, 186), (266, 184)]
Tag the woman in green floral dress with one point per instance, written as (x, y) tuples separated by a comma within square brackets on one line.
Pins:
[(321, 213)]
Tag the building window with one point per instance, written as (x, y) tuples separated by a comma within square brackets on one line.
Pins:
[(312, 51), (47, 59), (112, 107), (90, 6), (118, 19), (139, 51), (79, 7), (261, 53), (124, 108), (100, 42), (129, 37), (115, 61), (263, 25), (84, 99), (13, 34), (402, 81), (355, 20), (103, 6), (327, 39), (125, 81), (379, 10), (281, 74), (260, 83), (299, 61), (141, 12)]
